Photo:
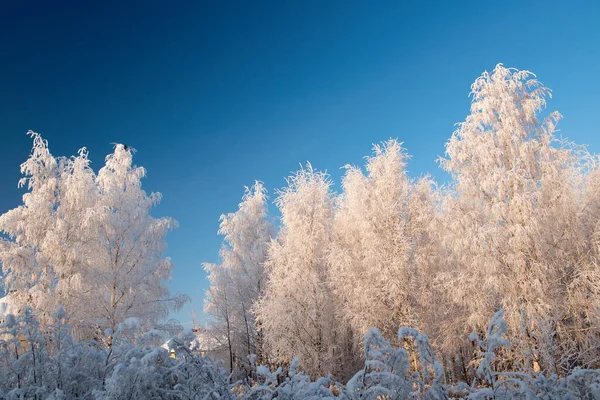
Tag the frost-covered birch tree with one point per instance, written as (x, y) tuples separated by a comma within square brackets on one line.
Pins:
[(512, 219), (297, 312), (382, 252), (583, 297), (248, 233), (28, 275), (240, 279), (88, 242), (219, 305), (129, 270)]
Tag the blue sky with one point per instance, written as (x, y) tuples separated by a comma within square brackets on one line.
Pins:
[(214, 96)]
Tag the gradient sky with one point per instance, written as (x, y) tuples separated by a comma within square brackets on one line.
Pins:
[(216, 95)]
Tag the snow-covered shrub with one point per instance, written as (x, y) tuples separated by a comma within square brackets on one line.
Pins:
[(387, 374), (293, 385), (390, 373), (51, 364), (144, 372), (411, 371), (494, 340), (386, 370)]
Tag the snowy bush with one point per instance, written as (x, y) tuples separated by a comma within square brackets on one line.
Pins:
[(397, 373), (51, 364)]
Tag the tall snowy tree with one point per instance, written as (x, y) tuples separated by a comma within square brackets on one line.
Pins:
[(88, 242), (28, 275), (380, 252), (129, 271), (68, 241), (240, 279), (583, 296), (512, 219), (297, 313)]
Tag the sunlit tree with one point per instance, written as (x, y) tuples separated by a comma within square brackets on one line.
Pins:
[(240, 279), (512, 218), (297, 313), (87, 242)]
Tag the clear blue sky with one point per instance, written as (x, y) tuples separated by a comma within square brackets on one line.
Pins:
[(216, 96)]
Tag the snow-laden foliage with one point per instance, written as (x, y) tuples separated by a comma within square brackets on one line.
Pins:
[(88, 242), (300, 322), (51, 364), (240, 279), (392, 373), (383, 249), (517, 228), (514, 235)]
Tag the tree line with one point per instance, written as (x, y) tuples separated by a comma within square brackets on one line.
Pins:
[(514, 236), (517, 228)]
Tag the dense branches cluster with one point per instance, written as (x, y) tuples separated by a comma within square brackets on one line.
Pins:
[(49, 363), (516, 228), (86, 242)]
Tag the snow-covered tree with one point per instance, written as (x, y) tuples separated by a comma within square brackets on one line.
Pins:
[(382, 252), (129, 271), (297, 313), (240, 279), (88, 242), (511, 220), (28, 275), (219, 305), (69, 246), (584, 289)]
